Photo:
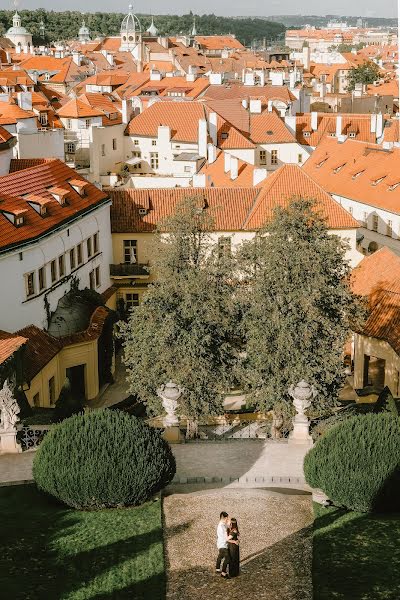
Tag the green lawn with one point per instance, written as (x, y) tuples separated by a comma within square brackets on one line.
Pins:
[(356, 556), (48, 551)]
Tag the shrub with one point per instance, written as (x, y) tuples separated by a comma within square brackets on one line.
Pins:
[(103, 459), (322, 426), (357, 463)]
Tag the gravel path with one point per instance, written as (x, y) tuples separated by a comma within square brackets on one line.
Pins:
[(276, 547)]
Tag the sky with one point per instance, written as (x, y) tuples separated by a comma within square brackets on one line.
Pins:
[(364, 8)]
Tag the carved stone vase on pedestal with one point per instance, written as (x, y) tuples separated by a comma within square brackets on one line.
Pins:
[(170, 394), (9, 411), (302, 395)]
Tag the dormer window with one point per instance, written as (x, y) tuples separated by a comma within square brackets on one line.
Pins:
[(392, 187), (38, 204), (224, 136), (378, 181), (143, 212), (352, 134), (16, 217), (79, 186), (337, 169), (357, 174), (307, 134), (60, 195)]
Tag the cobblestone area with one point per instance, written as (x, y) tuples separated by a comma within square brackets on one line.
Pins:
[(276, 547)]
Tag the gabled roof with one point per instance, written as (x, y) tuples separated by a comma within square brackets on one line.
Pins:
[(239, 90), (218, 42), (76, 108), (11, 113), (230, 207), (17, 187), (378, 277), (268, 128), (236, 208), (9, 344), (40, 349), (216, 176), (359, 171), (181, 117), (287, 183), (359, 125)]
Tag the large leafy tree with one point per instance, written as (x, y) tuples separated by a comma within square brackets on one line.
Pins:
[(184, 328), (366, 74), (297, 306)]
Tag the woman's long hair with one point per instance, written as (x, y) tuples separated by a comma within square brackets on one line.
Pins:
[(234, 526)]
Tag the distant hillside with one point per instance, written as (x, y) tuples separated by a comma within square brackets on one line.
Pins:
[(65, 25), (322, 21)]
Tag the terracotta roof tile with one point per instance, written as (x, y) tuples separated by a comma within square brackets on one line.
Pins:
[(76, 108), (379, 270), (216, 176), (218, 42), (37, 180), (230, 206), (238, 90), (288, 182), (40, 349), (9, 344), (18, 164), (360, 125), (359, 171), (181, 117), (268, 128)]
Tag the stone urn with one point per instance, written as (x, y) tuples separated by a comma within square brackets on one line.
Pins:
[(302, 394), (170, 394), (9, 411)]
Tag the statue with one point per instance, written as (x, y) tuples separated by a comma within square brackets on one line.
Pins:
[(9, 409), (302, 395), (170, 394)]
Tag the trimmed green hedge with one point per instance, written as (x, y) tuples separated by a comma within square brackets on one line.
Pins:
[(357, 463), (103, 459)]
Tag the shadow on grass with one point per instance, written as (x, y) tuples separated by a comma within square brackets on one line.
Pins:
[(50, 551), (356, 555)]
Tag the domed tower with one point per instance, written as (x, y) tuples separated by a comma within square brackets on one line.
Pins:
[(152, 30), (84, 33), (131, 35), (18, 34)]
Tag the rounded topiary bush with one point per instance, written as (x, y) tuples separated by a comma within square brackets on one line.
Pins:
[(103, 459), (357, 463)]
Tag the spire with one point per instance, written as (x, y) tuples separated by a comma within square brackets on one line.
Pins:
[(153, 31), (194, 30)]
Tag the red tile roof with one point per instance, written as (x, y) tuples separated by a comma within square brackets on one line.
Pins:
[(287, 183), (218, 42), (216, 176), (236, 208), (37, 180), (181, 117), (9, 344), (238, 90), (358, 125), (378, 277), (17, 164), (76, 108), (40, 349), (359, 171), (268, 128), (230, 207)]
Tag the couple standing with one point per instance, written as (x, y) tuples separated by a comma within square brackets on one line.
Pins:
[(228, 547)]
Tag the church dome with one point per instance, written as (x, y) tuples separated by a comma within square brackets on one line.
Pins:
[(131, 24), (84, 30), (17, 29), (152, 30)]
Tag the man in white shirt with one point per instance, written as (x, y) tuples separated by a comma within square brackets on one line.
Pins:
[(222, 545)]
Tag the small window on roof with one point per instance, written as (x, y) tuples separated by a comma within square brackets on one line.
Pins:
[(269, 132), (224, 135), (19, 221), (307, 134), (357, 174), (338, 168), (352, 134), (378, 181), (392, 187)]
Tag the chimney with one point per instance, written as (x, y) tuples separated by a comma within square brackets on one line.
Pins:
[(306, 57), (203, 135), (110, 59), (255, 106), (191, 74), (227, 162), (379, 125), (249, 78), (212, 153), (270, 105), (212, 119), (199, 180), (245, 104), (215, 78), (290, 122), (234, 168), (314, 121), (77, 58), (126, 111), (155, 75), (292, 80), (24, 100), (163, 134), (259, 175), (262, 78), (339, 125), (373, 123)]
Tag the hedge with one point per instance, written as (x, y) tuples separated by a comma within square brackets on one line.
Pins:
[(357, 463), (103, 459)]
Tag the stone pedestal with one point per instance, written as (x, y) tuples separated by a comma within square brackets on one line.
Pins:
[(173, 435), (300, 435), (302, 395), (8, 443)]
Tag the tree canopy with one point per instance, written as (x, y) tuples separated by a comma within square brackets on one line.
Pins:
[(298, 306), (65, 25), (183, 329), (366, 74)]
